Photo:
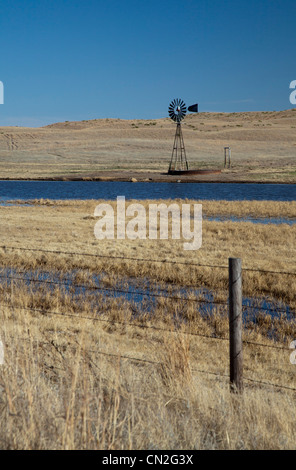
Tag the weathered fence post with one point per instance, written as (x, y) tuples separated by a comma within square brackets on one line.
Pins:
[(235, 325), (227, 156)]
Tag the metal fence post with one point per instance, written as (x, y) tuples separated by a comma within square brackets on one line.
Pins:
[(235, 325)]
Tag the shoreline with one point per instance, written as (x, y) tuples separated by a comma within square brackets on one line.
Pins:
[(159, 178)]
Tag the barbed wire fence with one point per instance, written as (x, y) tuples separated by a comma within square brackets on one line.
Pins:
[(234, 305)]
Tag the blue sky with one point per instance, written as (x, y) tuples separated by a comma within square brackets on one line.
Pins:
[(73, 59)]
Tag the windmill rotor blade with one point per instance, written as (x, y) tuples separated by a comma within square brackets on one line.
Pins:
[(177, 109)]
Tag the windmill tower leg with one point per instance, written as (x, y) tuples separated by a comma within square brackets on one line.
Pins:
[(178, 160)]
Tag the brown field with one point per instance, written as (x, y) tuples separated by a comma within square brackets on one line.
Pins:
[(263, 148), (76, 379), (86, 371), (69, 226)]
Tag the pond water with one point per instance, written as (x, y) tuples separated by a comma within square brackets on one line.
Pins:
[(257, 220), (144, 294), (57, 190)]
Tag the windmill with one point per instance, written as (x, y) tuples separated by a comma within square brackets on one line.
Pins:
[(177, 112)]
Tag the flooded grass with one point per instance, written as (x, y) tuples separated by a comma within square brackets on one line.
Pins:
[(125, 344), (143, 298), (254, 220)]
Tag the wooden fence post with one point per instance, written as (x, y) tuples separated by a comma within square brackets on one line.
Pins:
[(235, 325)]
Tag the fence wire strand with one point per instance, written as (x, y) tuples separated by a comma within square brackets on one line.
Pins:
[(149, 361), (174, 262), (143, 326), (168, 261)]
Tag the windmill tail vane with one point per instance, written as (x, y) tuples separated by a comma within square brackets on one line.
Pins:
[(177, 111)]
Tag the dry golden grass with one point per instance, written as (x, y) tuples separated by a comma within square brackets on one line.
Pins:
[(68, 385), (263, 147), (67, 382), (68, 226)]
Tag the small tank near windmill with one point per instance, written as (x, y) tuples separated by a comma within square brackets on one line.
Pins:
[(179, 163)]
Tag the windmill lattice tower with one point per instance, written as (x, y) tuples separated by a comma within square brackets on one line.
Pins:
[(177, 111)]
